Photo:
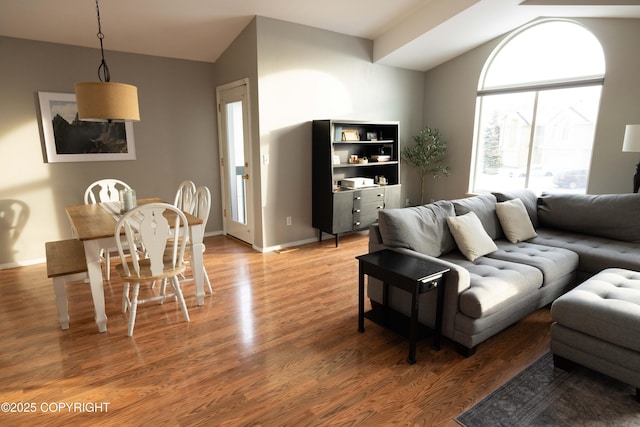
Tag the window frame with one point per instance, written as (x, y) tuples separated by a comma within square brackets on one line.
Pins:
[(534, 88)]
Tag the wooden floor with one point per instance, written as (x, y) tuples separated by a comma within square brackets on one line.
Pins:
[(275, 345)]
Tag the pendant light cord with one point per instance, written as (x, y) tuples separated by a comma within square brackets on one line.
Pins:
[(103, 70)]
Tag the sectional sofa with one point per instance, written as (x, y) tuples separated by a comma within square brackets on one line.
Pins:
[(510, 253)]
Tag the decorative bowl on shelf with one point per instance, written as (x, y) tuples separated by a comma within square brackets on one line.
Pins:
[(381, 157)]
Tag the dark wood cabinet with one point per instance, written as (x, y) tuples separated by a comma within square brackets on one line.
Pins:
[(356, 172)]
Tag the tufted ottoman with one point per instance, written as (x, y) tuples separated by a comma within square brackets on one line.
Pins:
[(597, 325)]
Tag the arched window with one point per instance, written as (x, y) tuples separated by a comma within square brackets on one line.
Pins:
[(537, 108)]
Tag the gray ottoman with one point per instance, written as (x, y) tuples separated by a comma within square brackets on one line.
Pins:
[(597, 325)]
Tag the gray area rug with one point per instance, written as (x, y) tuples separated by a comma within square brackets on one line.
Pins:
[(542, 395)]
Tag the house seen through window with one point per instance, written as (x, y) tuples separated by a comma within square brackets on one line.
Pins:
[(537, 109)]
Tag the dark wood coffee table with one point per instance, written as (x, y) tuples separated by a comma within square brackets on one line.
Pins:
[(411, 274)]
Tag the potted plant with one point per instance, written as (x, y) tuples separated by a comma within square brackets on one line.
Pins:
[(427, 155)]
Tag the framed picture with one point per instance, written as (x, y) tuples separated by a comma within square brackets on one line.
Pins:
[(372, 136), (350, 135), (67, 139)]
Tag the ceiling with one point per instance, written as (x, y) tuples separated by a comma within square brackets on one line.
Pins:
[(413, 34)]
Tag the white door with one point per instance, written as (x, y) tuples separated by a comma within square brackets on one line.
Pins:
[(235, 159)]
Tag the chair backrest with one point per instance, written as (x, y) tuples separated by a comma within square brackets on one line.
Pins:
[(202, 204), (104, 190), (159, 228), (185, 196)]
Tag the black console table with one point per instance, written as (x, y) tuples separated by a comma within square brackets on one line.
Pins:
[(411, 274)]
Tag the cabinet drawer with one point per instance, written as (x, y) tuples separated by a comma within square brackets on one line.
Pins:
[(367, 213), (368, 196), (369, 208), (365, 219)]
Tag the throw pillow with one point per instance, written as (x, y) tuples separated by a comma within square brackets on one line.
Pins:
[(515, 221), (484, 206), (528, 197), (421, 228), (471, 238)]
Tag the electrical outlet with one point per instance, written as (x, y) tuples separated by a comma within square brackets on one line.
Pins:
[(288, 220)]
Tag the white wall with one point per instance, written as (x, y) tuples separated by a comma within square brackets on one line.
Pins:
[(175, 139), (450, 99)]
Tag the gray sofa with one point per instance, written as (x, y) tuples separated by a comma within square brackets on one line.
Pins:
[(574, 237)]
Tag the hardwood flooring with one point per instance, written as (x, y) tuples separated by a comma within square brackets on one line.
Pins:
[(275, 345)]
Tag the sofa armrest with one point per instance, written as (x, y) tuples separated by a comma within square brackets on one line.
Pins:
[(375, 238), (457, 280)]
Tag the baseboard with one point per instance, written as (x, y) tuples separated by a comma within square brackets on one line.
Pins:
[(22, 263)]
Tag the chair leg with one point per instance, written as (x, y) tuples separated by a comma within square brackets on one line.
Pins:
[(134, 309), (175, 283), (204, 273), (107, 264), (163, 290), (206, 279), (125, 297)]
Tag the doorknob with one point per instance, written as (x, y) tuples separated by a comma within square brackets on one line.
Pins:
[(245, 176)]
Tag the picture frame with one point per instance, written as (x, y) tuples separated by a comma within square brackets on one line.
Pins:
[(67, 139), (350, 135), (372, 136)]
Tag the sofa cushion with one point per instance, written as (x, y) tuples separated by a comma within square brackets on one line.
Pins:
[(494, 284), (471, 238), (595, 253), (484, 206), (554, 263), (422, 228), (515, 221), (528, 197), (614, 216)]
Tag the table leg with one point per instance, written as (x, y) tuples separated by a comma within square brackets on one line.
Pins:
[(197, 235), (92, 253), (414, 327), (360, 298), (439, 308)]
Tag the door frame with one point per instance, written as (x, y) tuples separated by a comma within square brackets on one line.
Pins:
[(222, 147)]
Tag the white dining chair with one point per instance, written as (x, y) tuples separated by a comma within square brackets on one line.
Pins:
[(185, 196), (201, 208), (161, 228), (101, 191), (105, 190)]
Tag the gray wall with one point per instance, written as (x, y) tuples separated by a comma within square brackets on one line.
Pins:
[(450, 101), (175, 139), (239, 61), (306, 74)]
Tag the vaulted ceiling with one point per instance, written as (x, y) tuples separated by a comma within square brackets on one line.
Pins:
[(413, 34)]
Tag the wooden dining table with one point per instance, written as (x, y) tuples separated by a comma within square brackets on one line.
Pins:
[(94, 225)]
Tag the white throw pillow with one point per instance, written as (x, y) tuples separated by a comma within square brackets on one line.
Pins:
[(515, 221), (471, 238)]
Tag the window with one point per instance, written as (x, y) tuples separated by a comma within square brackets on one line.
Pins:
[(537, 108)]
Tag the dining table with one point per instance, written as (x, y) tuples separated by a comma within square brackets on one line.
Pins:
[(94, 225)]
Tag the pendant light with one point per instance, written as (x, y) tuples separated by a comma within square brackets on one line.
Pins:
[(105, 101)]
